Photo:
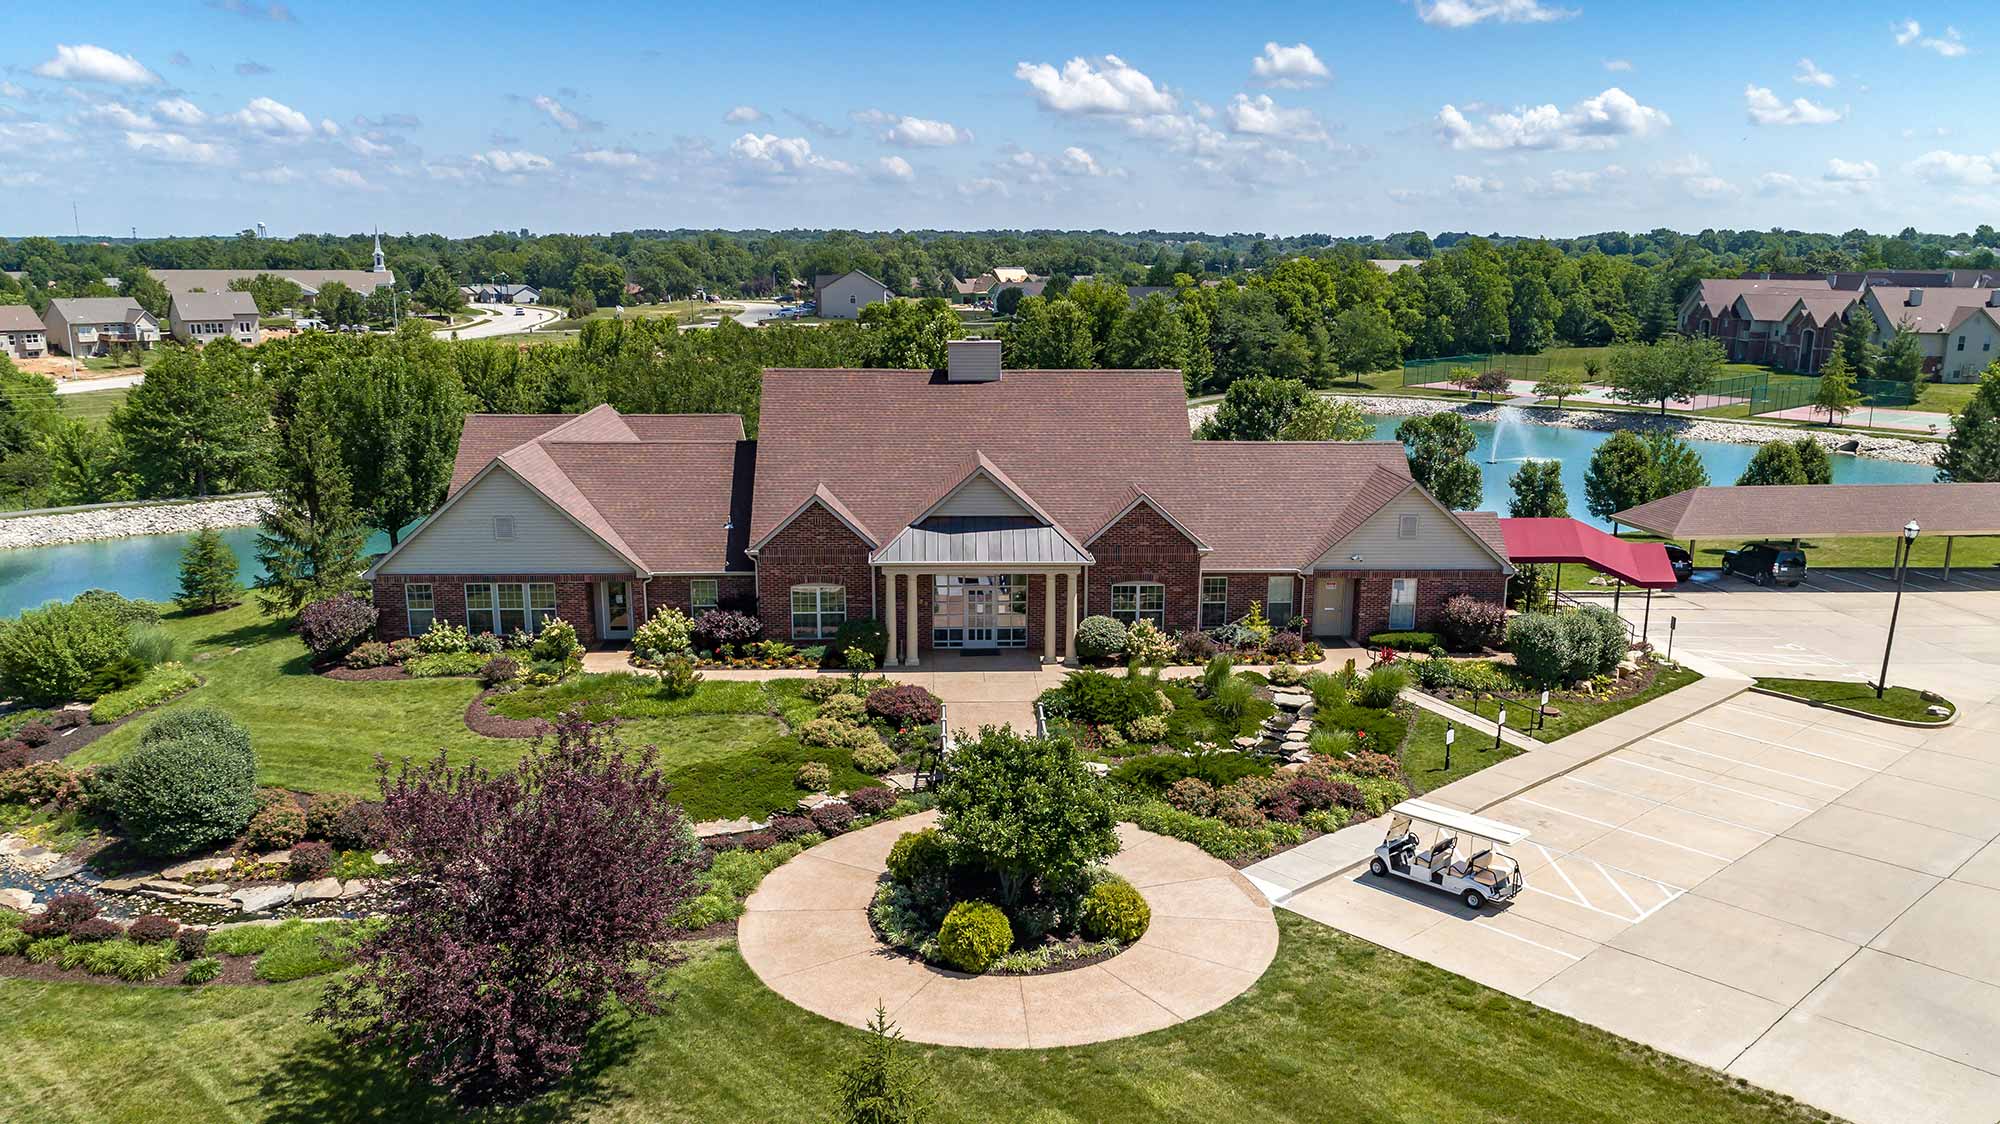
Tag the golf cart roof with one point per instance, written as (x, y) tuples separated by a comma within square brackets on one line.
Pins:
[(1452, 818)]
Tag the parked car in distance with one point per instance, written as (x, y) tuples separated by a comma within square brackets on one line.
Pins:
[(520, 312), (1766, 564), (1681, 561)]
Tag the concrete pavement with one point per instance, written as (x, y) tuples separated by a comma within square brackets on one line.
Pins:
[(501, 321)]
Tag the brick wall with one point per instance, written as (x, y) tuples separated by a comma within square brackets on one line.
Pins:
[(730, 590), (1434, 588), (1144, 547), (1245, 588), (576, 600), (815, 548)]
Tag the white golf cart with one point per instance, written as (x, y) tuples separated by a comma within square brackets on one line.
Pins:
[(1457, 852)]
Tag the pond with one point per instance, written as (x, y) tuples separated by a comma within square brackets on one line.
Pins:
[(1522, 441), (146, 566), (149, 565)]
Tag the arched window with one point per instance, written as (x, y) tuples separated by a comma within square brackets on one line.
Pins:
[(1706, 329)]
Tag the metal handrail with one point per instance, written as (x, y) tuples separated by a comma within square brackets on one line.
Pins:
[(1560, 599)]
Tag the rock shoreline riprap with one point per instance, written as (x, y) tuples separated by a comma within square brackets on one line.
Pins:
[(136, 519), (1691, 428)]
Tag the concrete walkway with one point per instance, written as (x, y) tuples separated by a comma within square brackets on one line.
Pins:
[(806, 934)]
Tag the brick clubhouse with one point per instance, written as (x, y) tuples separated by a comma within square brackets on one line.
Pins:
[(965, 509)]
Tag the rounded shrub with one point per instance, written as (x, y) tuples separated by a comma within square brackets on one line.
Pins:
[(668, 632), (788, 826), (1099, 639), (873, 800), (277, 824), (333, 625), (323, 811), (310, 860), (974, 935), (905, 704), (498, 670), (48, 654), (844, 708), (1147, 728), (557, 642), (189, 944), (832, 819), (814, 776), (874, 758), (359, 827), (919, 855), (174, 794), (152, 927)]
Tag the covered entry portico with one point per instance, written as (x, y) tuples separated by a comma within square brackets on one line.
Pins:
[(984, 607)]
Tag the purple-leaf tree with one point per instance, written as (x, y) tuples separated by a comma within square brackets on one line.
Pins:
[(523, 903)]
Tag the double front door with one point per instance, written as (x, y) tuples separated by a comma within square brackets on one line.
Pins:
[(983, 611)]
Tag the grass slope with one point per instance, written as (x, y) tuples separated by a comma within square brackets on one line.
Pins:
[(1338, 1029), (1423, 753)]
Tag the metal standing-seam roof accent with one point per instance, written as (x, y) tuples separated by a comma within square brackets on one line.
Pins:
[(993, 539)]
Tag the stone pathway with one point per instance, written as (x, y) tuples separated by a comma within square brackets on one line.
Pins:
[(806, 934)]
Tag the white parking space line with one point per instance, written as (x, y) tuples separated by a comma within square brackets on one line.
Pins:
[(1775, 659), (1629, 831), (1836, 577), (1610, 874), (1726, 788), (1750, 765), (1526, 941), (1782, 745)]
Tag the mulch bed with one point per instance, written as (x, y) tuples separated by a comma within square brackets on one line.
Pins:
[(240, 971), (365, 674), (482, 721)]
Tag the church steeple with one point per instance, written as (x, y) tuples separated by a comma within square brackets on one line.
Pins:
[(381, 265)]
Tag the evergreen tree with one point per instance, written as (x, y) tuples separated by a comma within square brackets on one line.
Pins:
[(1836, 396), (1903, 358), (311, 538), (1972, 453), (1440, 451), (1538, 492), (208, 573), (881, 1086), (1856, 344), (1620, 475)]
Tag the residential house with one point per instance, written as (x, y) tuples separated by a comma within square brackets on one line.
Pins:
[(309, 281), (21, 333), (201, 317), (1011, 274), (502, 293), (971, 289), (966, 509), (1956, 328), (842, 296), (1809, 329), (95, 325), (1746, 314)]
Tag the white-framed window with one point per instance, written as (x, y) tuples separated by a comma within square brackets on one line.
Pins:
[(505, 608), (419, 608), (1402, 604), (703, 594), (818, 611), (1406, 526), (479, 609), (1214, 602), (1279, 605), (1132, 602)]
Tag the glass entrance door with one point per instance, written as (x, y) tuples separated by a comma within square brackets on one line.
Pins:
[(979, 611), (979, 614), (617, 608)]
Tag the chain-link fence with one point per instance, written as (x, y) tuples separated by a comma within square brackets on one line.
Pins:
[(1793, 395), (1438, 373)]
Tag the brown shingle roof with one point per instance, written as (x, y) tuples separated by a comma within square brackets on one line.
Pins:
[(19, 318), (1718, 293), (1783, 511), (1939, 311), (486, 436)]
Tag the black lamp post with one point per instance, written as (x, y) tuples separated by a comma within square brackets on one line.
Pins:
[(1910, 530)]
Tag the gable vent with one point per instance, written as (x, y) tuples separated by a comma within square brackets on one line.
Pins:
[(972, 361), (503, 527)]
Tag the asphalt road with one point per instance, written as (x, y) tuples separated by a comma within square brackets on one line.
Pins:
[(501, 322)]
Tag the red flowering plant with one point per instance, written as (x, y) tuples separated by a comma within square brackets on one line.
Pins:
[(522, 902)]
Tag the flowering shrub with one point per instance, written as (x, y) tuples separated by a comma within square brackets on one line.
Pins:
[(668, 632), (486, 644), (42, 783), (1146, 643), (333, 625), (373, 653), (444, 636), (1192, 794), (1367, 763), (1469, 622), (310, 860), (717, 627), (404, 650), (1194, 646), (322, 812), (557, 641), (277, 825), (904, 705)]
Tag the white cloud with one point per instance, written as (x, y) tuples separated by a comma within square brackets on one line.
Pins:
[(913, 132), (1107, 86), (10, 90), (180, 111), (1260, 116), (611, 157), (1476, 185), (1766, 108), (87, 63), (509, 162), (1910, 32), (1597, 122), (1851, 171), (1811, 75), (1076, 161), (1618, 65), (566, 119), (346, 178), (328, 126), (1967, 169), (1292, 67), (176, 148), (772, 155), (29, 136), (1466, 13), (362, 146), (118, 116), (743, 115), (1566, 181), (1710, 187), (277, 176), (271, 118), (894, 169), (22, 179), (985, 185)]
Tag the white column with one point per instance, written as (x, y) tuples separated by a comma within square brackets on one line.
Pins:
[(889, 621), (1070, 584), (910, 625), (1049, 618)]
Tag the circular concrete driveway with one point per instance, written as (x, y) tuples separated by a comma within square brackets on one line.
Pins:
[(805, 933)]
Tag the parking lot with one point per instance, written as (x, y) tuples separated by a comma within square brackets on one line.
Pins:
[(1803, 899)]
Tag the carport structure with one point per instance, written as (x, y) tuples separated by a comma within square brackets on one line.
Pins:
[(1762, 512), (1643, 564)]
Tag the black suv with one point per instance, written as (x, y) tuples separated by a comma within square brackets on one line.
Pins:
[(1766, 564), (1681, 561)]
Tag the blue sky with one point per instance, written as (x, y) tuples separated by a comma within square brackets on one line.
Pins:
[(1523, 116)]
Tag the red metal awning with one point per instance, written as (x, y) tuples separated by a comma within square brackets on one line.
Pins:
[(1568, 540)]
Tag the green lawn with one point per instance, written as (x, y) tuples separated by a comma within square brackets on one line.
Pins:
[(1905, 703), (1579, 710), (726, 749), (92, 405), (1337, 1029), (1423, 753)]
